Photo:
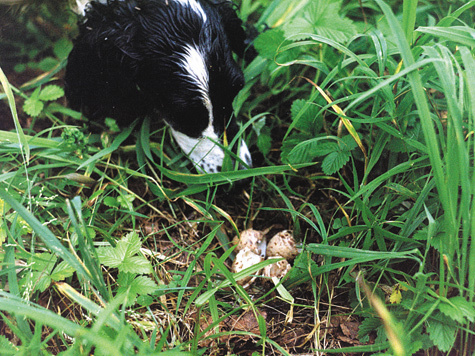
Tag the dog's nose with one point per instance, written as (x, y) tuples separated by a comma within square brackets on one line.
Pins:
[(207, 155)]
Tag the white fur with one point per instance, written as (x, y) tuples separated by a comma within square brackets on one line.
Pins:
[(195, 69), (203, 152), (195, 6), (81, 6), (244, 154)]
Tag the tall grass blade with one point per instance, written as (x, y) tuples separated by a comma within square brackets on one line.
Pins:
[(25, 149), (409, 9)]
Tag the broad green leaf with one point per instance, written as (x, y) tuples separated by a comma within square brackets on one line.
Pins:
[(35, 281), (62, 48), (268, 42), (62, 271), (47, 64), (33, 107), (51, 92), (143, 285), (334, 161), (264, 142), (441, 331), (135, 264), (458, 309), (307, 150), (135, 285), (41, 281), (368, 325), (109, 256), (306, 114), (321, 18), (123, 256), (126, 201), (111, 202), (7, 347), (133, 242)]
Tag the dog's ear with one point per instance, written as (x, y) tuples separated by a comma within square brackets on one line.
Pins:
[(232, 25), (240, 38), (110, 28), (105, 59)]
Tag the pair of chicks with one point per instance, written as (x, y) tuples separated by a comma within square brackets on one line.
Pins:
[(252, 248)]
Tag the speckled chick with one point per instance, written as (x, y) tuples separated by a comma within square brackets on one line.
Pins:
[(253, 240), (246, 258), (282, 244), (278, 269)]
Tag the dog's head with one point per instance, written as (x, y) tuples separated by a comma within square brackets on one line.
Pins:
[(178, 55)]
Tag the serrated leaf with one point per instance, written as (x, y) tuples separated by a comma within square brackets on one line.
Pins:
[(123, 255), (143, 285), (441, 331), (307, 150), (6, 346), (62, 48), (321, 18), (306, 113), (109, 256), (62, 271), (40, 280), (111, 202), (33, 107), (47, 64), (289, 144), (347, 143), (43, 262), (125, 279), (334, 161), (136, 264), (264, 142), (51, 92), (458, 309), (133, 243), (135, 285), (126, 200), (268, 42), (325, 148), (368, 325)]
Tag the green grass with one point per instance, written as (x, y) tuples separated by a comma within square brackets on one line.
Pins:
[(360, 116)]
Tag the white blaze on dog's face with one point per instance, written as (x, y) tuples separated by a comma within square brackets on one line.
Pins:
[(203, 150)]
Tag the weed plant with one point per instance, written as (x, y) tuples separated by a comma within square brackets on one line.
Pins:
[(361, 119)]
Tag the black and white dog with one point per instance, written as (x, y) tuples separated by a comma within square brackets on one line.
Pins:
[(162, 58)]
